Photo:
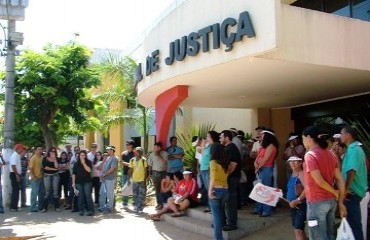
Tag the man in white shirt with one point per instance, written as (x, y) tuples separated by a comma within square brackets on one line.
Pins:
[(15, 175), (93, 150), (257, 145)]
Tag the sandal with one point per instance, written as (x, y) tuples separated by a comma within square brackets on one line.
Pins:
[(177, 215)]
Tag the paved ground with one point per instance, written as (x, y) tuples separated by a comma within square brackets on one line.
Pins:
[(67, 225)]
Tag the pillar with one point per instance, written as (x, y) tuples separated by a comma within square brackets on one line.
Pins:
[(165, 107)]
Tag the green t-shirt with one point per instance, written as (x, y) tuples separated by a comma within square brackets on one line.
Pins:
[(354, 159)]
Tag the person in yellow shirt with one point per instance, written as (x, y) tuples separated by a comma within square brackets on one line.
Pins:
[(138, 171), (218, 193), (37, 183)]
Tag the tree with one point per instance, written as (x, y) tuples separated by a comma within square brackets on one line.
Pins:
[(52, 91), (120, 98)]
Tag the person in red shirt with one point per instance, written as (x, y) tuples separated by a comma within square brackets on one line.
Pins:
[(321, 169), (186, 195)]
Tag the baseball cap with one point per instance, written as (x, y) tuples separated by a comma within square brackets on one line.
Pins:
[(186, 172), (111, 148), (294, 158), (19, 146), (292, 137)]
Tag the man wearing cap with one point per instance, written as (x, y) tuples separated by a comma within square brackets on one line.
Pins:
[(355, 177), (108, 175), (15, 175), (186, 195), (175, 155), (126, 156), (93, 150), (157, 163), (257, 144), (294, 148), (138, 171)]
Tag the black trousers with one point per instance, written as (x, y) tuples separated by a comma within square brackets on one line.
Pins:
[(15, 191)]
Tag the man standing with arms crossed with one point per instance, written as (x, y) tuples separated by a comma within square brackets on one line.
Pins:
[(108, 175), (355, 177), (175, 155), (37, 182), (157, 164)]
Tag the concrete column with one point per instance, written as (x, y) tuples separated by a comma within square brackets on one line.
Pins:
[(165, 107)]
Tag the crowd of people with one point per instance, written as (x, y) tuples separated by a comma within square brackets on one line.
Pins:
[(323, 174)]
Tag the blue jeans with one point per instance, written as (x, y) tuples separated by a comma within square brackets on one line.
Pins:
[(124, 198), (84, 196), (106, 192), (1, 195), (37, 194), (322, 215), (352, 204), (23, 189), (204, 175), (51, 183), (217, 207), (231, 208), (265, 174)]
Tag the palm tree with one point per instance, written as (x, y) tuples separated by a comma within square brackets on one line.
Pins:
[(118, 99)]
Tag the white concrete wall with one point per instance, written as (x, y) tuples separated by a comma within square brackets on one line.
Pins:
[(224, 118), (322, 39), (193, 15)]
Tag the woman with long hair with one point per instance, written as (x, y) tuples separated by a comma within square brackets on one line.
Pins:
[(50, 167), (218, 193), (98, 159), (264, 166), (321, 170), (81, 180)]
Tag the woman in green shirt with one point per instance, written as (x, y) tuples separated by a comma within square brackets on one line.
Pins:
[(218, 189)]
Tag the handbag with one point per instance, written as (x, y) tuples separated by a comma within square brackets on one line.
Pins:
[(127, 189), (344, 231), (258, 180)]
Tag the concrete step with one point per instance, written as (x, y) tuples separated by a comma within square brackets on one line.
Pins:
[(201, 227), (246, 220)]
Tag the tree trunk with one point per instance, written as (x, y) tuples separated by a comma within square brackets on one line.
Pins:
[(48, 137), (145, 130)]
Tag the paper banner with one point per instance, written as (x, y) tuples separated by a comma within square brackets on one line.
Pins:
[(266, 195)]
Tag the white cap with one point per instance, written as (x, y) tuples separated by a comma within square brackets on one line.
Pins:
[(294, 158), (292, 137), (186, 172), (337, 135), (266, 131)]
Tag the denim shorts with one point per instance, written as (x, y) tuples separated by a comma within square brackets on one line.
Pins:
[(299, 216)]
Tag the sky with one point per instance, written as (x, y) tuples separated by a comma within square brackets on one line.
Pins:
[(113, 24)]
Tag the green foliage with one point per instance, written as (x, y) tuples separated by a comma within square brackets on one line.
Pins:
[(119, 71), (184, 140), (52, 93), (362, 123)]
